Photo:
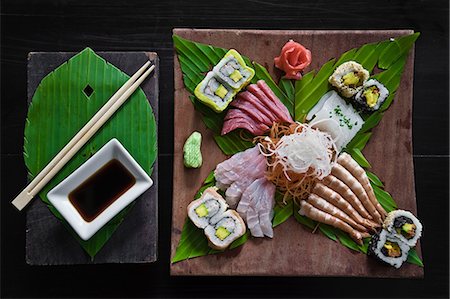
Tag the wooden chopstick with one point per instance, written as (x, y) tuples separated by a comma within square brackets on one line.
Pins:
[(80, 139)]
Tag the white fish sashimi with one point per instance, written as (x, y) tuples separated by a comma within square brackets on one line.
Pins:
[(231, 170), (334, 115), (234, 192), (243, 178), (253, 223), (248, 197), (267, 202), (256, 207)]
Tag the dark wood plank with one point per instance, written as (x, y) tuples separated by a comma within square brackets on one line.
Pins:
[(294, 250), (48, 242), (49, 25)]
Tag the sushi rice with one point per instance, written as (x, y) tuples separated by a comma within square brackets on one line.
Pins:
[(226, 230), (208, 209)]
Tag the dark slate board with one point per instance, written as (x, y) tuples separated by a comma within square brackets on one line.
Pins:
[(48, 242)]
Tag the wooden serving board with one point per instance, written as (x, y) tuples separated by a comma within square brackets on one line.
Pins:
[(294, 250), (48, 242)]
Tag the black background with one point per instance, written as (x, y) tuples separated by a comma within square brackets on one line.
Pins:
[(71, 25)]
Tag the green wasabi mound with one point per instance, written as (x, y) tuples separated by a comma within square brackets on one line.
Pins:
[(192, 151)]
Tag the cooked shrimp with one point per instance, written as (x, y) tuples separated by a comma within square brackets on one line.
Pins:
[(346, 177), (358, 172), (337, 185), (306, 209), (323, 205), (335, 199)]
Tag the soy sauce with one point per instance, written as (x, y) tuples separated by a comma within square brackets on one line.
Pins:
[(101, 189)]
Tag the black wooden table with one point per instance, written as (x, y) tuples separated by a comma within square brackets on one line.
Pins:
[(70, 25)]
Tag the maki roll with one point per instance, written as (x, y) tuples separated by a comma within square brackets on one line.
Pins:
[(348, 78), (372, 95), (208, 209), (387, 248), (404, 226), (214, 93), (232, 70), (226, 79), (229, 227)]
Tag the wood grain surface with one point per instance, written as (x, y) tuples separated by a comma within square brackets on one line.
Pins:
[(294, 250), (48, 242)]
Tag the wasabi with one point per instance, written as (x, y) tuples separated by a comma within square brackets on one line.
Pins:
[(192, 151)]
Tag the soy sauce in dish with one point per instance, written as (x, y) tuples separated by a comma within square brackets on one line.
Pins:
[(101, 189)]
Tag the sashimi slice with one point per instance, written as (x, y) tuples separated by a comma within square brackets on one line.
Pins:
[(250, 98), (253, 112), (253, 223), (334, 115), (271, 95), (257, 92)]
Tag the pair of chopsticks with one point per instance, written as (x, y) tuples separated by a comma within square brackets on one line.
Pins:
[(80, 139)]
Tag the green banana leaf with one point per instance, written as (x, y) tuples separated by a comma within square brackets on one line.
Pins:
[(60, 108), (299, 98)]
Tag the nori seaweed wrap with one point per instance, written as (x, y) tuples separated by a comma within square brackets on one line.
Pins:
[(387, 248), (372, 95)]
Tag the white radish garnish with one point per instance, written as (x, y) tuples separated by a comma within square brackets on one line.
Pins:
[(306, 151)]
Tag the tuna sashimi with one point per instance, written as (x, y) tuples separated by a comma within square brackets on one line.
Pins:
[(234, 123), (252, 111), (257, 92), (250, 98), (255, 110), (271, 95)]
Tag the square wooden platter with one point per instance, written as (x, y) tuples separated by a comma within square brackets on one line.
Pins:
[(294, 250)]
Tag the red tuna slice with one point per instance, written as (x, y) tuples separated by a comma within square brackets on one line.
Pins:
[(250, 98), (252, 111), (271, 95), (256, 91), (236, 114), (243, 123)]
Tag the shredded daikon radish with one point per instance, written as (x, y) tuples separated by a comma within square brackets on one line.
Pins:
[(306, 151)]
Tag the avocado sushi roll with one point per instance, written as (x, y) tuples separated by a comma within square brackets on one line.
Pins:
[(387, 248), (208, 209), (349, 78), (214, 93), (232, 70), (404, 226), (226, 79), (372, 95), (229, 227)]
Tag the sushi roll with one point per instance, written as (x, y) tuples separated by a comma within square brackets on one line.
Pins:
[(229, 227), (208, 209), (404, 226), (348, 78), (214, 93), (372, 95), (226, 79), (232, 70), (387, 248)]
